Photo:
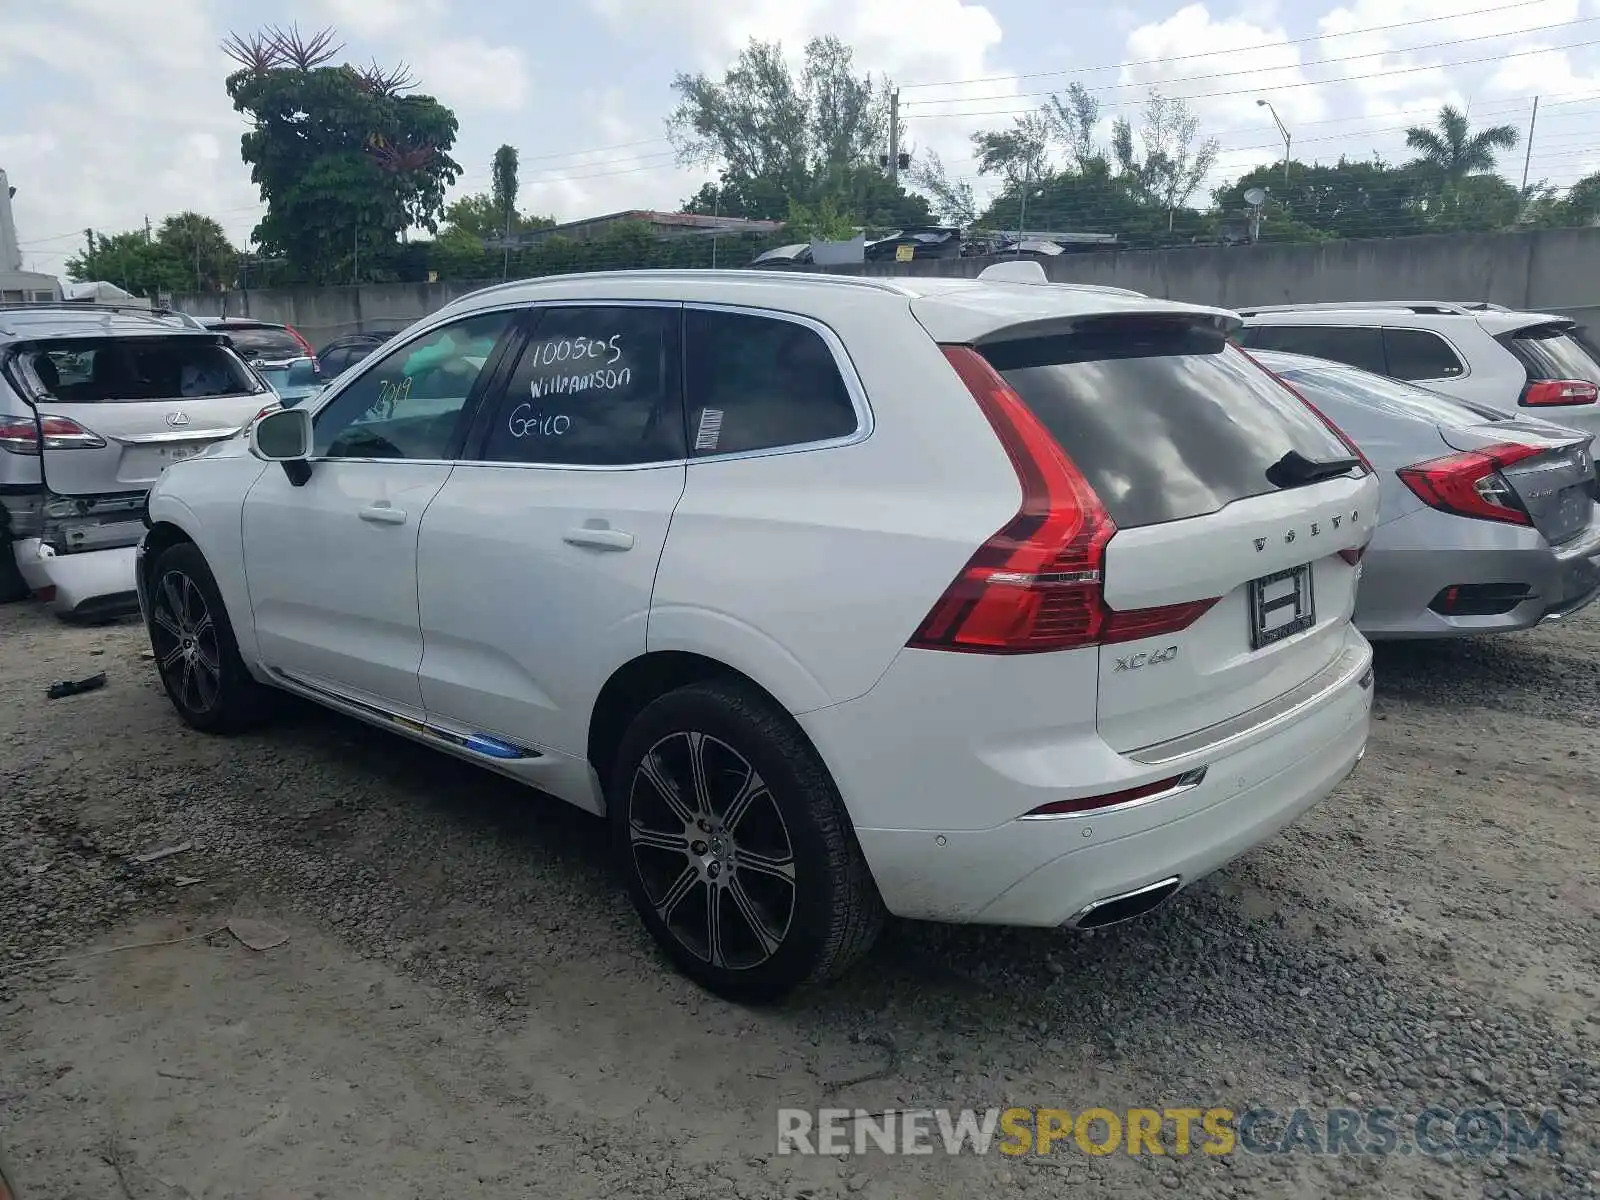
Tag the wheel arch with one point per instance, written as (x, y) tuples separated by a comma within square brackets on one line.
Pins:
[(641, 680)]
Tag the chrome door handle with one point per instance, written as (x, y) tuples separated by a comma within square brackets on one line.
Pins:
[(383, 514), (599, 539)]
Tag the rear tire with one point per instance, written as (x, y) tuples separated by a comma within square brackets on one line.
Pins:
[(196, 653), (738, 853)]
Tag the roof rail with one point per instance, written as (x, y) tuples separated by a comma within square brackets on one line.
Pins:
[(1456, 307), (84, 306), (877, 283)]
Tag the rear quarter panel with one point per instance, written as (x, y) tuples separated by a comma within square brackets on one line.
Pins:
[(809, 570)]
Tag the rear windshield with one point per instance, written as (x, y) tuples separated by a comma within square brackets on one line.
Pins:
[(113, 370), (1386, 395), (264, 342), (1164, 418), (1551, 352)]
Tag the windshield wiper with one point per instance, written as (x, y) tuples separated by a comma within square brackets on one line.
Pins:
[(1296, 470)]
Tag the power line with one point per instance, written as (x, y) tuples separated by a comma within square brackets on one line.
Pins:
[(1296, 66), (1254, 91), (1213, 53)]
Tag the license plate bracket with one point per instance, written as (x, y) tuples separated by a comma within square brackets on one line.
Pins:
[(1281, 605)]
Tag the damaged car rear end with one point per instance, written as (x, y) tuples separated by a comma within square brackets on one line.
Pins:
[(94, 405)]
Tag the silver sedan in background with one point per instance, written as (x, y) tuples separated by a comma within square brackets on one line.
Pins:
[(1487, 521)]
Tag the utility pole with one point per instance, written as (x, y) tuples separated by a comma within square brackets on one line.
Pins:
[(894, 136), (1528, 156), (147, 229)]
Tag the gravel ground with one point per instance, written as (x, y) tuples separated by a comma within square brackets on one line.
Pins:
[(465, 1004)]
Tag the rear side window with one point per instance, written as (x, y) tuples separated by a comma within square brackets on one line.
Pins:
[(1348, 344), (758, 383), (1165, 419), (112, 370), (1419, 354), (264, 343), (1551, 352), (1386, 395), (595, 386)]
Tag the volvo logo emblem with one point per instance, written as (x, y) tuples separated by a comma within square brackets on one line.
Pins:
[(1313, 530), (177, 419)]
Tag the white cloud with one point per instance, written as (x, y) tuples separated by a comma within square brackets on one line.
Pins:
[(1185, 55), (132, 124)]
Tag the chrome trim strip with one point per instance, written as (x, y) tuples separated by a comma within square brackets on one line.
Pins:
[(1187, 782), (1171, 881), (423, 729), (1353, 663), (183, 435)]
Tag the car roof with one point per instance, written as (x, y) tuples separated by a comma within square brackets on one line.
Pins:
[(238, 323), (69, 320), (952, 309), (1493, 321)]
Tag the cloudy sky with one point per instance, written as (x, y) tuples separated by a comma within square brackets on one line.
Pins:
[(114, 110)]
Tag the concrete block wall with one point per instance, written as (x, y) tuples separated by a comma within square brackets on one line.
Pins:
[(1550, 270)]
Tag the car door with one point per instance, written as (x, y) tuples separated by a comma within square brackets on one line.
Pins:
[(332, 564), (537, 560)]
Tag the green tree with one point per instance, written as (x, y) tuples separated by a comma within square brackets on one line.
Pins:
[(1172, 163), (952, 199), (347, 159), (132, 261), (1363, 198), (200, 248), (504, 189), (480, 215), (1450, 151), (777, 137)]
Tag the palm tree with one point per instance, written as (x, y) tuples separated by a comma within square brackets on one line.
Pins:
[(1452, 152)]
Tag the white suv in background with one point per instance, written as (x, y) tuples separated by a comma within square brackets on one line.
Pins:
[(969, 600), (1481, 353)]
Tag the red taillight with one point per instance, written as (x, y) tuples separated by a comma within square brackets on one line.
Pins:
[(20, 435), (304, 345), (1550, 393), (1036, 584), (1352, 554), (1470, 484)]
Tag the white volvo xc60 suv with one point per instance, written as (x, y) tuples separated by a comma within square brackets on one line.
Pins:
[(967, 600)]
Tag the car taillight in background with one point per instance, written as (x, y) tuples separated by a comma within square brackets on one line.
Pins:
[(304, 345), (20, 435), (1036, 585), (1554, 393), (1470, 484)]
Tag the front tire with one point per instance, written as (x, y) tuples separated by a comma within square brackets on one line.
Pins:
[(737, 850), (196, 653)]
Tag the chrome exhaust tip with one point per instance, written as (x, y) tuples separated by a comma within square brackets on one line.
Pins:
[(1124, 906)]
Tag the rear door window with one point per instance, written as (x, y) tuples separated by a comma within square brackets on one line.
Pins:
[(595, 386), (1419, 354), (1164, 418), (265, 343), (1552, 352), (760, 383), (1349, 344), (131, 370), (1387, 395)]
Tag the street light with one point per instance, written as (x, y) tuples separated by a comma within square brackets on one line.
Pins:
[(1267, 104)]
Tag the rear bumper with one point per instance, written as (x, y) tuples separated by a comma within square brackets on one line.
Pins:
[(86, 585), (1406, 567), (1052, 871)]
